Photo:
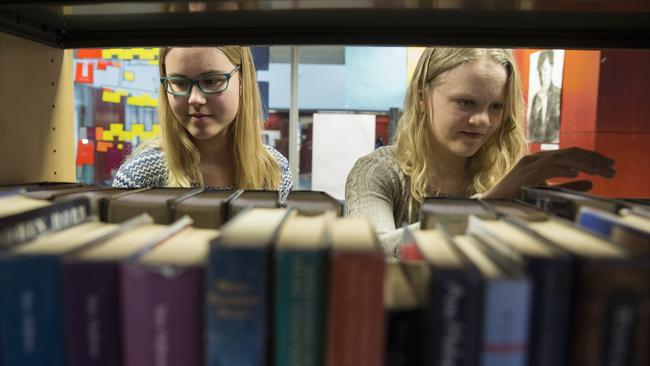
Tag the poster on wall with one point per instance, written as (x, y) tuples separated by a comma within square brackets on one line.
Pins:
[(338, 141), (544, 97)]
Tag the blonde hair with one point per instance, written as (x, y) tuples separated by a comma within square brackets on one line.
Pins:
[(255, 167), (414, 135)]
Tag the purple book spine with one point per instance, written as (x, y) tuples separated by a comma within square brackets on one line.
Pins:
[(162, 315), (91, 313)]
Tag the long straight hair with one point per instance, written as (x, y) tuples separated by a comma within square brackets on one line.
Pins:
[(255, 167), (493, 160)]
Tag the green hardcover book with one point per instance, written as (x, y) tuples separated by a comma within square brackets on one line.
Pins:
[(300, 279)]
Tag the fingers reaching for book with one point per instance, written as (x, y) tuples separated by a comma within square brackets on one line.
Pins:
[(537, 168)]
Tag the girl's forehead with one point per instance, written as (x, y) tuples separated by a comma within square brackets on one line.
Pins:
[(480, 71), (196, 60)]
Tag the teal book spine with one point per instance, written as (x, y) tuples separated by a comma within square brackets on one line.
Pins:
[(30, 311), (299, 307)]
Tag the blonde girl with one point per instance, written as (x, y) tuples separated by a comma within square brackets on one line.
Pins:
[(211, 119), (461, 135)]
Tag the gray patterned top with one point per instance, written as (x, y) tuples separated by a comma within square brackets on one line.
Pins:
[(378, 189), (149, 169)]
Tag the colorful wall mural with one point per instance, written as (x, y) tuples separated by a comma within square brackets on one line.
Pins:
[(116, 95)]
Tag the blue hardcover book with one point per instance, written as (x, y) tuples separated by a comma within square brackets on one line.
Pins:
[(505, 322), (300, 279), (31, 317), (506, 308), (597, 221), (238, 289), (630, 230), (549, 270)]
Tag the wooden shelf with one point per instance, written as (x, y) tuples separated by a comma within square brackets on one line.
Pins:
[(503, 23)]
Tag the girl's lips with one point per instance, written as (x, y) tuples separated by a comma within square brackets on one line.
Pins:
[(199, 117), (474, 135)]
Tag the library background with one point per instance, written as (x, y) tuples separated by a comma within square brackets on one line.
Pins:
[(601, 108), (93, 275)]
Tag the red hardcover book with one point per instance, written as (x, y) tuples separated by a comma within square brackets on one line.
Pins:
[(355, 323)]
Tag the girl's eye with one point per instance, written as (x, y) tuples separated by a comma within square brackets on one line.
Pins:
[(464, 102), (178, 83), (497, 107), (214, 80)]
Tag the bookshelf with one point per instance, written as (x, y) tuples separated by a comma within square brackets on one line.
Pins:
[(37, 138)]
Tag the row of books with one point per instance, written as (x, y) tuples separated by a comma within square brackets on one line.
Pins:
[(495, 282), (510, 284), (272, 286), (55, 206)]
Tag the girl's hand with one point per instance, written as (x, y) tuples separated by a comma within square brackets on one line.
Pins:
[(535, 169)]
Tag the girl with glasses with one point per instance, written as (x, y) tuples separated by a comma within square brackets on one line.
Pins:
[(211, 121), (461, 135)]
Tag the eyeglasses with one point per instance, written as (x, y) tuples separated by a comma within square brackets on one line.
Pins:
[(209, 84)]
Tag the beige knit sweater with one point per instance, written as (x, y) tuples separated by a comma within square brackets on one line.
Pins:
[(377, 188)]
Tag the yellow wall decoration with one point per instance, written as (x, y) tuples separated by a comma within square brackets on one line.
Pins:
[(130, 53), (137, 130), (109, 96), (143, 100)]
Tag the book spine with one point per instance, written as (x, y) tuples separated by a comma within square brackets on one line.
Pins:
[(404, 337), (91, 313), (611, 313), (30, 311), (550, 306), (453, 318), (595, 223), (355, 327), (162, 315), (28, 225), (506, 311), (636, 240), (238, 306), (299, 307)]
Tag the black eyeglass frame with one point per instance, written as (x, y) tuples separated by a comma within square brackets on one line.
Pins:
[(193, 82)]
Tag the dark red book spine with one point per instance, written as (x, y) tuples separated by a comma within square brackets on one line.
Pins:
[(356, 314)]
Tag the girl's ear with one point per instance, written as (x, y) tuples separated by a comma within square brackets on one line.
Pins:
[(421, 97)]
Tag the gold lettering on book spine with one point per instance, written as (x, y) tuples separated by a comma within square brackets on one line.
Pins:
[(232, 299)]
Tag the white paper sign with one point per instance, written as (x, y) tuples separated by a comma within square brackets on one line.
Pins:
[(338, 141)]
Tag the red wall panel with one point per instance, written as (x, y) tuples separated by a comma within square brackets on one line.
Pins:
[(624, 91), (630, 150), (579, 91), (605, 108)]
